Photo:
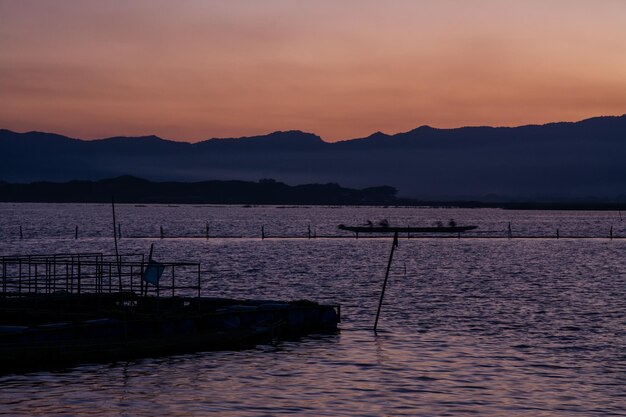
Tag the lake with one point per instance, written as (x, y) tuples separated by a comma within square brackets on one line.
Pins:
[(481, 324)]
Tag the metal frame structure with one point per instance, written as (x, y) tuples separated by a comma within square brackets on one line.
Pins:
[(80, 273)]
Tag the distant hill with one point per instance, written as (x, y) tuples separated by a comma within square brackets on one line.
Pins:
[(581, 161), (128, 189)]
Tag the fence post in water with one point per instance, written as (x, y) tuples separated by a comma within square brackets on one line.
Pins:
[(199, 285), (145, 284), (4, 279), (78, 277), (21, 234), (262, 232), (611, 233), (117, 253), (309, 231), (394, 245), (76, 232), (161, 231), (557, 233), (173, 281)]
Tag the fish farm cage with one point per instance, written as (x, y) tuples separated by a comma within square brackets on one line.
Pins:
[(96, 273)]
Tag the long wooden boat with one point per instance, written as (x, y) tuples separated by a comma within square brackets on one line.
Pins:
[(389, 229)]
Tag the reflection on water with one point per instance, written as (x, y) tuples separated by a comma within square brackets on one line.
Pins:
[(471, 326)]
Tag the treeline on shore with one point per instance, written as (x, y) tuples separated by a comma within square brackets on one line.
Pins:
[(128, 189)]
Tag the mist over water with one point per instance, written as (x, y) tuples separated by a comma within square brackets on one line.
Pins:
[(522, 326)]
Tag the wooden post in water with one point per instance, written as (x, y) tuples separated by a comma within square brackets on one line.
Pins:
[(611, 233), (510, 231), (394, 245), (161, 231), (309, 231), (173, 281), (207, 231), (21, 234), (144, 285), (262, 232), (557, 233), (76, 233), (117, 253)]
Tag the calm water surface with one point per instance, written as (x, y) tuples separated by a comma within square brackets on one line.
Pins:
[(481, 326)]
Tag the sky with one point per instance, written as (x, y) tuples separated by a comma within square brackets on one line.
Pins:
[(196, 69)]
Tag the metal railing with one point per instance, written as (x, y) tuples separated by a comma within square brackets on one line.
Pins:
[(80, 273)]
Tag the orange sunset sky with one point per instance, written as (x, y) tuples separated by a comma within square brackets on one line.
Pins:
[(196, 69)]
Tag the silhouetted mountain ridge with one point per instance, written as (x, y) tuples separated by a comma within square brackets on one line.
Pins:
[(556, 161)]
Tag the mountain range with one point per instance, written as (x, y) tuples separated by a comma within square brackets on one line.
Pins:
[(565, 161)]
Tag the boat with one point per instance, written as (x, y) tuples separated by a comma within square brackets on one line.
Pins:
[(389, 229)]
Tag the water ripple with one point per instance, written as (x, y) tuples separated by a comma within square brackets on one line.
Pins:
[(520, 327)]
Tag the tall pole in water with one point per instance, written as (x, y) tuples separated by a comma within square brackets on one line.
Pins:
[(119, 266), (382, 293), (117, 254)]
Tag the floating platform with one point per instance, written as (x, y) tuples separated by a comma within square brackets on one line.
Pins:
[(48, 331), (43, 325)]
